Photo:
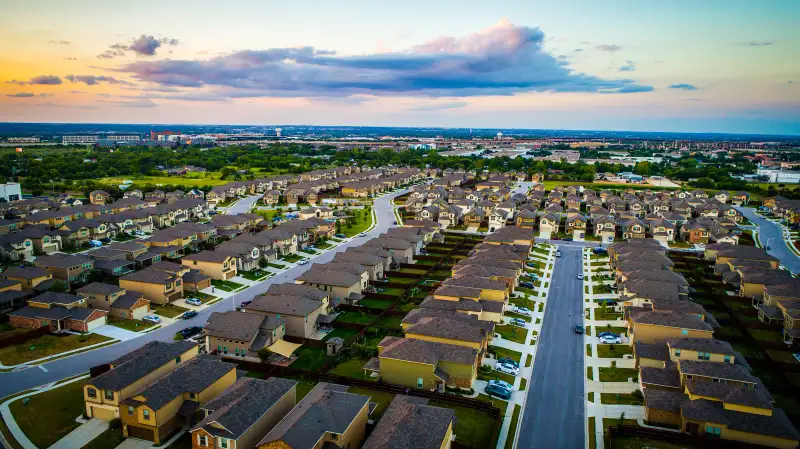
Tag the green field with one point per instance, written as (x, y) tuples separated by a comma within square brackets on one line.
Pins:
[(359, 223), (189, 180)]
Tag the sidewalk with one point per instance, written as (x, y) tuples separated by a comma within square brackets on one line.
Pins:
[(81, 436)]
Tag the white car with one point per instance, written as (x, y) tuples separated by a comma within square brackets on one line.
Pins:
[(507, 368), (363, 234), (580, 276), (302, 261), (151, 319), (558, 253), (522, 311), (609, 340), (194, 302)]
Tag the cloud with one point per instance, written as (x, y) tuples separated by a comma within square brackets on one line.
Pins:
[(683, 86), (629, 66), (77, 92), (611, 48), (47, 80), (432, 107), (103, 95), (578, 50), (91, 80), (70, 59), (759, 44), (21, 95), (501, 60), (146, 103), (45, 95), (144, 45), (59, 42)]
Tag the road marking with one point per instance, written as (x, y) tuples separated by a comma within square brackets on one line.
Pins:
[(43, 368)]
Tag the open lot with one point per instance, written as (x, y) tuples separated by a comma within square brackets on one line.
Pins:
[(47, 345)]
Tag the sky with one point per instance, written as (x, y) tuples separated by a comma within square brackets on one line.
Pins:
[(689, 66)]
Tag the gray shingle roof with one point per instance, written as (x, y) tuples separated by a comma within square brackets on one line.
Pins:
[(410, 423), (139, 362), (235, 325), (428, 352), (284, 304)]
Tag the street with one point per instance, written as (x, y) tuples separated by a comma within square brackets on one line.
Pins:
[(244, 205), (771, 234), (554, 409), (17, 381)]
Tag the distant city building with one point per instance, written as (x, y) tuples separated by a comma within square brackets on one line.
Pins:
[(76, 139), (123, 137), (781, 176), (278, 132), (10, 192), (24, 140), (422, 146), (157, 135)]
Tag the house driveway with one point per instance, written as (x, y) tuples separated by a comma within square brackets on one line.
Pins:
[(135, 443), (81, 436), (115, 332)]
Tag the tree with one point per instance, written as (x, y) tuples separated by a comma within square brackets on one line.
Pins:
[(263, 354), (642, 168)]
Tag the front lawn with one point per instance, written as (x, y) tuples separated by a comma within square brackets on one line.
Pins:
[(203, 297), (608, 374), (512, 333), (399, 280), (292, 258), (47, 345), (473, 427), (110, 438), (352, 368), (496, 375), (276, 265), (255, 275), (227, 286), (622, 398), (512, 430), (358, 224), (520, 316), (308, 251), (766, 335), (613, 351), (131, 325), (523, 302), (394, 291), (167, 310), (606, 314), (47, 417)]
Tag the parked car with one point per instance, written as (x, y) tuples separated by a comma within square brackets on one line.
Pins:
[(496, 390), (106, 240), (363, 234), (190, 331), (607, 333), (95, 243), (578, 329), (194, 302), (558, 253), (189, 314), (567, 239), (197, 338), (341, 236), (517, 322), (526, 284), (610, 340), (535, 277), (302, 261), (505, 368), (508, 361), (502, 384), (151, 319), (599, 250), (580, 276), (246, 303), (138, 232), (522, 311), (555, 238)]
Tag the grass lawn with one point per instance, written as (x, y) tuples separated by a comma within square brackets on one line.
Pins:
[(496, 375), (7, 330), (592, 435), (341, 332), (608, 374), (110, 438), (399, 280), (203, 297), (303, 388), (391, 291), (512, 430), (389, 322), (375, 303), (292, 258), (47, 345), (310, 252), (523, 384), (528, 361), (309, 359), (523, 302), (167, 310), (613, 351), (782, 356), (503, 352), (620, 399), (520, 316), (413, 271), (497, 402), (355, 317), (352, 368), (324, 245), (49, 416), (359, 223), (766, 335), (227, 286), (608, 314), (588, 350), (608, 422), (589, 373), (512, 333), (131, 325), (640, 442), (473, 427), (276, 265), (255, 275)]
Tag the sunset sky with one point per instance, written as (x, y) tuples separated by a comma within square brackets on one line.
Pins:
[(694, 66)]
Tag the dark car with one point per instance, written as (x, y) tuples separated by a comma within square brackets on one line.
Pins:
[(189, 314), (555, 238), (578, 329), (567, 239), (497, 390), (106, 240), (508, 361), (189, 331), (394, 222), (600, 250), (246, 303), (527, 285), (211, 212), (341, 236)]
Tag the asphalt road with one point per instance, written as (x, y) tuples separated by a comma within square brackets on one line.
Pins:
[(554, 409), (244, 205), (771, 233), (17, 381)]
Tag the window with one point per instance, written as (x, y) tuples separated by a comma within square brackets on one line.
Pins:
[(225, 349), (146, 415), (677, 353), (223, 443), (684, 331), (727, 359), (713, 432), (334, 436), (703, 356), (178, 359), (91, 392), (419, 382), (130, 410), (108, 395), (219, 348)]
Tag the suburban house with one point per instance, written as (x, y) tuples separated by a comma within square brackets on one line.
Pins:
[(115, 300), (428, 365), (100, 197), (67, 267), (328, 416), (549, 223), (238, 334), (409, 422), (28, 277), (653, 326), (58, 311), (216, 265), (164, 406), (160, 287), (448, 327), (131, 373), (341, 286), (242, 414), (301, 315)]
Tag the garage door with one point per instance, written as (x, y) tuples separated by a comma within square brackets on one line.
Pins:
[(103, 413), (94, 324), (141, 433)]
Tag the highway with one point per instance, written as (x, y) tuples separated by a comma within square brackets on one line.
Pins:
[(17, 381), (554, 409), (771, 234)]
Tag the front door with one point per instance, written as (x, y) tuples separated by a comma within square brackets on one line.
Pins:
[(693, 428)]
